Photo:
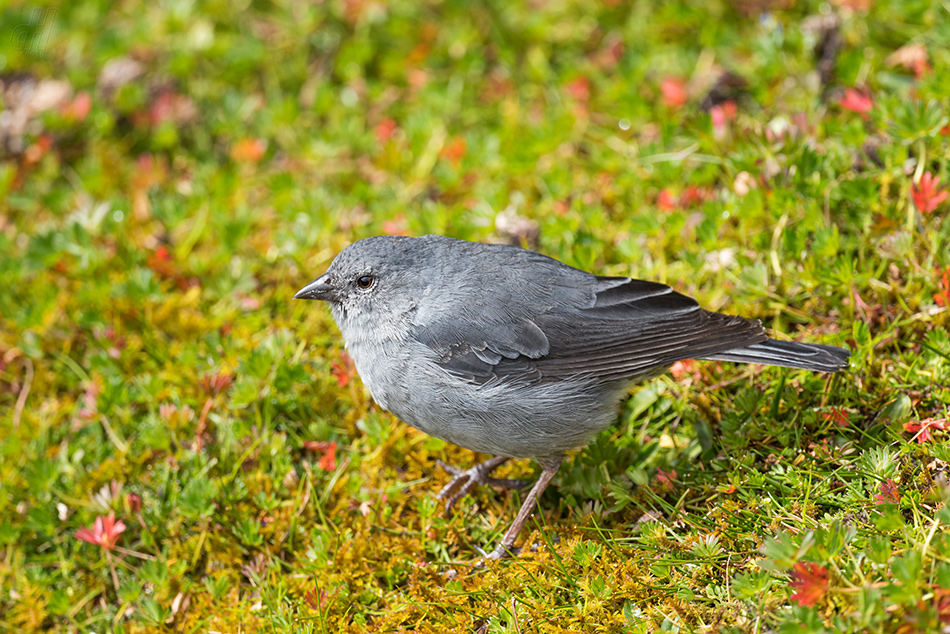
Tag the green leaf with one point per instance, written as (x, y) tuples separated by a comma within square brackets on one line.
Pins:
[(879, 549)]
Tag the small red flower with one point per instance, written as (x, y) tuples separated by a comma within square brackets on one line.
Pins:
[(105, 532), (927, 194), (921, 429), (810, 582), (856, 101)]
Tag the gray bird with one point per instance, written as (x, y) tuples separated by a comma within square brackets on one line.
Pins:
[(511, 353)]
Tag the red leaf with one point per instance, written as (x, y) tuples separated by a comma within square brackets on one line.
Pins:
[(163, 107), (216, 383), (343, 369), (315, 599), (169, 106), (927, 194), (328, 460), (855, 5), (810, 582), (685, 369), (328, 449), (612, 52), (838, 416), (889, 493), (105, 532), (579, 89), (694, 195), (856, 101), (38, 150), (396, 226), (675, 94), (78, 109), (353, 10), (160, 261), (722, 114), (912, 57), (149, 172), (942, 603), (173, 416), (942, 296), (248, 150), (666, 200), (90, 398), (455, 150), (921, 429), (665, 479), (385, 130)]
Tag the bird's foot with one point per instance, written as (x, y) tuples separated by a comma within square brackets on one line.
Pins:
[(466, 479), (502, 552)]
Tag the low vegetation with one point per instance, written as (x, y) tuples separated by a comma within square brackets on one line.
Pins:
[(186, 449)]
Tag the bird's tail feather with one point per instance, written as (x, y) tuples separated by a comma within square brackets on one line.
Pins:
[(789, 354)]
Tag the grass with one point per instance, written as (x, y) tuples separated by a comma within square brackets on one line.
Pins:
[(171, 173)]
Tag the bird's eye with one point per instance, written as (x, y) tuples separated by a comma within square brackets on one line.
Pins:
[(365, 281)]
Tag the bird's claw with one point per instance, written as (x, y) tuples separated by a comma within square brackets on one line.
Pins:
[(466, 479), (501, 552)]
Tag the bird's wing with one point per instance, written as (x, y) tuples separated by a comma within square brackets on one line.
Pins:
[(605, 327)]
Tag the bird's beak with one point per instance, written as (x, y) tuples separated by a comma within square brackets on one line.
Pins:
[(320, 288)]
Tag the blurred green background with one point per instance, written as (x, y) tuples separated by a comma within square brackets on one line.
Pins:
[(171, 172)]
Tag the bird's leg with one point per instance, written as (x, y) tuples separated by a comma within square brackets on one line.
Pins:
[(466, 479), (507, 546)]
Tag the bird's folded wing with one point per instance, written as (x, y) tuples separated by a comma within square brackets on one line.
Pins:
[(618, 329)]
